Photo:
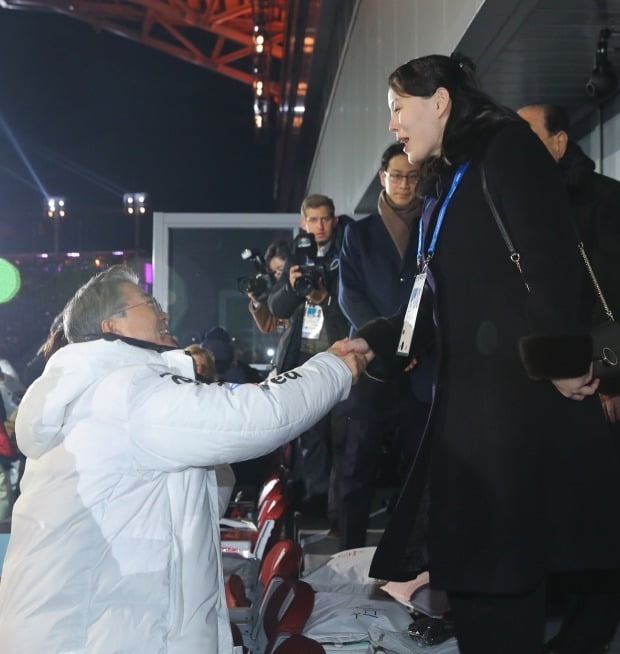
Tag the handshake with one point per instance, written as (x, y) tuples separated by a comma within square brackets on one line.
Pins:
[(355, 352)]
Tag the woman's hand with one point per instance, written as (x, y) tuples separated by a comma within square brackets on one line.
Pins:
[(577, 388)]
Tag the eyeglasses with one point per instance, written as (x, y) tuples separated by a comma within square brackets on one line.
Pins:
[(398, 178), (315, 220), (151, 302)]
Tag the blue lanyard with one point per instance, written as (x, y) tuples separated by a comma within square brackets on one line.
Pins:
[(458, 176)]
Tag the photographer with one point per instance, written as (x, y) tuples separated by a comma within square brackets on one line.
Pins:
[(275, 261), (307, 294)]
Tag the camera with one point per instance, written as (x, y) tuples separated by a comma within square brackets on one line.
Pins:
[(312, 267), (263, 280)]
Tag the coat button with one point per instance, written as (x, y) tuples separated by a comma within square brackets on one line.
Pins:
[(402, 280)]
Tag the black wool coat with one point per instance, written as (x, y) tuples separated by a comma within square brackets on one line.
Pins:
[(521, 480)]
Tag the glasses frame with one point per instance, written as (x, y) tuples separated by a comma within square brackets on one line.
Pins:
[(151, 301), (399, 178)]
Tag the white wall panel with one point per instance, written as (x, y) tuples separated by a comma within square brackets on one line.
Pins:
[(590, 143), (384, 34)]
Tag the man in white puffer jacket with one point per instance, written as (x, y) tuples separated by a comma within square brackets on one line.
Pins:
[(115, 543)]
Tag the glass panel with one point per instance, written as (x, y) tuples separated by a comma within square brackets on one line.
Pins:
[(204, 265)]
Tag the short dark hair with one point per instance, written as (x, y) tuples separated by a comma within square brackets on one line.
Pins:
[(556, 118), (315, 201), (392, 151)]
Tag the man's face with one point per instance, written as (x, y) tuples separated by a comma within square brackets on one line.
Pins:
[(399, 180), (555, 143), (320, 222), (142, 319)]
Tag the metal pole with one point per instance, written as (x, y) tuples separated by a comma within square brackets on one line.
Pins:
[(56, 236), (136, 230)]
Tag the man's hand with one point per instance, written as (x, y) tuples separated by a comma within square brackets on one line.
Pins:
[(355, 353), (294, 274), (577, 388)]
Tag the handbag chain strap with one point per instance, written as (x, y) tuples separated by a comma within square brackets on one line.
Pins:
[(515, 257), (597, 287)]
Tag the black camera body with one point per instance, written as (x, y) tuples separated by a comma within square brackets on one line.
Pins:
[(313, 268), (261, 284)]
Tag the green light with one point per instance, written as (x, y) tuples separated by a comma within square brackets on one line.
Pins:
[(10, 281)]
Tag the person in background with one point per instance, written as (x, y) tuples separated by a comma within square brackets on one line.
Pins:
[(275, 258), (377, 269), (591, 601), (517, 466), (315, 319), (115, 543), (229, 369)]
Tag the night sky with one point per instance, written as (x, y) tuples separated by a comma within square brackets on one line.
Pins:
[(124, 116)]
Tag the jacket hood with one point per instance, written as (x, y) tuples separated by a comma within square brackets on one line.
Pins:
[(575, 165), (68, 373)]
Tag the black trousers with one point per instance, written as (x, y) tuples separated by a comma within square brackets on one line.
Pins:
[(499, 624)]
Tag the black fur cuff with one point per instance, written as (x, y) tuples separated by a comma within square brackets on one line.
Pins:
[(556, 356)]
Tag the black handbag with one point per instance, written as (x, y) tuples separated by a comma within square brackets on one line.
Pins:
[(605, 337)]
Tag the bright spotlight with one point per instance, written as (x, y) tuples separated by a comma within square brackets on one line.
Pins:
[(135, 203), (56, 207)]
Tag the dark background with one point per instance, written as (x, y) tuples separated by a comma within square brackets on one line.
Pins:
[(126, 116)]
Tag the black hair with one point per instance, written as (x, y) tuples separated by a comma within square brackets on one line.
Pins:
[(556, 118), (474, 116), (392, 151), (278, 249)]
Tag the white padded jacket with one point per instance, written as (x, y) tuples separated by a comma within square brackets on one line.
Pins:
[(115, 543)]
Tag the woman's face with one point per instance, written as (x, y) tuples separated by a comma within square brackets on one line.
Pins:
[(418, 123), (276, 265)]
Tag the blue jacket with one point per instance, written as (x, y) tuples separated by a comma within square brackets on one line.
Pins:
[(374, 281)]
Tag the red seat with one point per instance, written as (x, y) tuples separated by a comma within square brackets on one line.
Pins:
[(282, 560), (287, 611), (272, 487), (271, 513), (271, 509), (235, 592), (299, 644)]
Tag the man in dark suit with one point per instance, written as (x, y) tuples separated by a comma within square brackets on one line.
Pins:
[(377, 268), (591, 601)]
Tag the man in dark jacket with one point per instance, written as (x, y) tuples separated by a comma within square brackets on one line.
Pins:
[(307, 295), (594, 198), (377, 269), (592, 601)]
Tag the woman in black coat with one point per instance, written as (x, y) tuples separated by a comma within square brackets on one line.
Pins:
[(521, 476)]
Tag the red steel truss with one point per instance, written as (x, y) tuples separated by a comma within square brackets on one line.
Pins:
[(214, 34)]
